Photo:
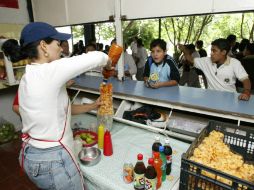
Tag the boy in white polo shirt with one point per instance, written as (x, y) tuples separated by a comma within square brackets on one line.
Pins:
[(220, 70)]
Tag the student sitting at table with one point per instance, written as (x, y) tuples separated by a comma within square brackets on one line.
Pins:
[(221, 71), (160, 68)]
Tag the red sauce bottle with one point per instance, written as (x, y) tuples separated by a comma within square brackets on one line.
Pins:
[(150, 176)]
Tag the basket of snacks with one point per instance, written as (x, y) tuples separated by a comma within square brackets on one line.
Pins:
[(221, 158)]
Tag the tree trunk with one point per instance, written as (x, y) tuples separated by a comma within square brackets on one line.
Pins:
[(207, 19), (190, 28), (252, 31), (128, 26), (242, 22)]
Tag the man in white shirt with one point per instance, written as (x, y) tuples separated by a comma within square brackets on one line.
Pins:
[(220, 70)]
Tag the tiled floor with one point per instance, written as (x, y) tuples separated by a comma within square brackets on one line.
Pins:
[(10, 178)]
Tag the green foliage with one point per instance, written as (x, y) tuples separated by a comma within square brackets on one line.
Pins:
[(104, 31), (77, 32), (176, 30), (184, 30), (147, 30), (224, 24), (144, 29)]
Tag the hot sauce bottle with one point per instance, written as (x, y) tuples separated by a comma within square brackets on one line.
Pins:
[(139, 173)]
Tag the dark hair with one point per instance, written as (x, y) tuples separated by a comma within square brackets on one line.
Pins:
[(222, 44), (243, 44), (190, 46), (199, 43), (113, 41), (231, 38), (139, 42), (159, 42), (235, 47), (16, 52), (12, 50), (250, 48), (62, 41), (90, 45), (100, 46)]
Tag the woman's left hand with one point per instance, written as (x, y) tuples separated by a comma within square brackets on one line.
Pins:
[(109, 65), (69, 83), (97, 103)]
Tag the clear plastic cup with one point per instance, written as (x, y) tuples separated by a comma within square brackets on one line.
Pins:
[(93, 127), (78, 145), (105, 120)]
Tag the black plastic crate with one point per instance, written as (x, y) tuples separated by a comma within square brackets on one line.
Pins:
[(240, 139)]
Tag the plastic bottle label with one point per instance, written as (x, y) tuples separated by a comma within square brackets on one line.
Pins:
[(150, 184), (139, 181), (163, 167), (169, 159)]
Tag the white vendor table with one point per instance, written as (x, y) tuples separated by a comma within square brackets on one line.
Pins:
[(127, 141)]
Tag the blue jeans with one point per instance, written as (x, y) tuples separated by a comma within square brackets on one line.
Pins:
[(51, 168)]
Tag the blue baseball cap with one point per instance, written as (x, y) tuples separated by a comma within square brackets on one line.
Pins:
[(36, 31)]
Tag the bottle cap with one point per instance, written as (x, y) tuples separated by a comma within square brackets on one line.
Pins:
[(157, 138), (161, 148), (140, 156), (167, 141), (156, 154), (150, 161), (101, 126)]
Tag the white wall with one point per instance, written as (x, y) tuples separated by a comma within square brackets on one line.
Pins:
[(148, 8), (89, 10), (66, 12), (14, 16), (232, 5), (50, 11)]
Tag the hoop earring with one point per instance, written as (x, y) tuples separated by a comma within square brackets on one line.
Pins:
[(46, 54)]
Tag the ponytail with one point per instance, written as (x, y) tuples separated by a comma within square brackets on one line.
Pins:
[(15, 52), (12, 50)]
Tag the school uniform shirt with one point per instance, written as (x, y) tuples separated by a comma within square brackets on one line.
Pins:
[(43, 97), (224, 77), (163, 72)]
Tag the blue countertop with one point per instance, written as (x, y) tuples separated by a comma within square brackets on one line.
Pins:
[(203, 99)]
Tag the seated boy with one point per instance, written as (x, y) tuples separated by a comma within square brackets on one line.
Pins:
[(160, 68)]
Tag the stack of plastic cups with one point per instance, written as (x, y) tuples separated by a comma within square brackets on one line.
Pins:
[(106, 111)]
